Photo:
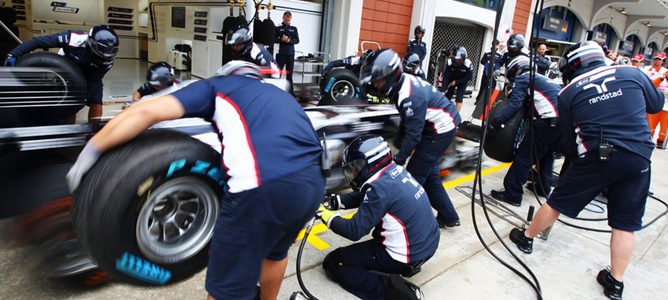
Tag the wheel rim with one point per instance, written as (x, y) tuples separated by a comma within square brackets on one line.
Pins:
[(176, 221), (342, 88)]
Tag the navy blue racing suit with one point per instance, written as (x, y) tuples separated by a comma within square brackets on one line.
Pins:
[(405, 233), (73, 44), (260, 56), (430, 122), (607, 105), (460, 74), (270, 164), (488, 74), (286, 50), (418, 47), (544, 134)]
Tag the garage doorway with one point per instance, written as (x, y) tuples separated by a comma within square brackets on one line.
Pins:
[(449, 32)]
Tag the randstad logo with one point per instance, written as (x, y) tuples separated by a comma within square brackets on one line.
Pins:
[(606, 96), (602, 90)]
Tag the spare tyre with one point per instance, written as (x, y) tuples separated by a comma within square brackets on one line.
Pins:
[(340, 86), (146, 210), (501, 143), (46, 88)]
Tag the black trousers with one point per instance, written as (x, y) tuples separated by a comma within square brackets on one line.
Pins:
[(355, 268), (287, 61)]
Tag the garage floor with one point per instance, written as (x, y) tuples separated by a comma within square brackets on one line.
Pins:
[(566, 264)]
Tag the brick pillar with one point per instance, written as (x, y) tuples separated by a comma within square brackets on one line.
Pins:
[(521, 16), (388, 23)]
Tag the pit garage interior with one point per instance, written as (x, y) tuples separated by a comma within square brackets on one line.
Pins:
[(188, 35)]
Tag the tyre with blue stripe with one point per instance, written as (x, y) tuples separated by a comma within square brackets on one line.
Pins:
[(146, 210)]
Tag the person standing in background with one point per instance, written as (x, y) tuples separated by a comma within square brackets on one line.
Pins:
[(286, 36), (417, 45), (541, 61), (657, 73)]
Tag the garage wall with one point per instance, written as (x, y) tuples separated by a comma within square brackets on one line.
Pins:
[(388, 23)]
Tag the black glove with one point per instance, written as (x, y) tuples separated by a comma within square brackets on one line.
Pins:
[(333, 202), (399, 161)]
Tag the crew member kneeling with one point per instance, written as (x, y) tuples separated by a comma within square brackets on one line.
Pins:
[(391, 200)]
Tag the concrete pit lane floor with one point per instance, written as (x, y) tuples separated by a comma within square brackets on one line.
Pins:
[(566, 264)]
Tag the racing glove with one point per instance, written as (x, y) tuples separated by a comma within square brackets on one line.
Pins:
[(10, 60), (333, 202), (326, 215), (399, 161), (85, 161)]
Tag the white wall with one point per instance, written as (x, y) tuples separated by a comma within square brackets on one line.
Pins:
[(90, 12), (581, 8), (615, 19), (638, 29), (346, 24)]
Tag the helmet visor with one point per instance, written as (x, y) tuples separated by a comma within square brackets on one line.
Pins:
[(351, 171)]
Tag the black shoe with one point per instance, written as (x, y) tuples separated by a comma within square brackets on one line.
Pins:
[(443, 224), (524, 243), (611, 287), (499, 195), (530, 186)]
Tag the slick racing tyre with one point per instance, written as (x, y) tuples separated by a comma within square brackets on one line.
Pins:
[(146, 210), (51, 96), (340, 87), (501, 143)]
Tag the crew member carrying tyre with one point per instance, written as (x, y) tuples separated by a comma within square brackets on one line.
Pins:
[(456, 76), (603, 121), (93, 52), (158, 77), (544, 136), (392, 203), (240, 40), (271, 159), (429, 121)]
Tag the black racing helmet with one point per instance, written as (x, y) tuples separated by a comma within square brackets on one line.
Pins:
[(160, 74), (516, 67), (580, 55), (515, 42), (420, 29), (240, 35), (411, 63), (382, 64), (460, 53), (364, 157), (365, 54), (102, 42)]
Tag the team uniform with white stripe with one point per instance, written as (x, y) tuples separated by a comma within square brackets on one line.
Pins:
[(607, 103), (428, 126), (73, 46), (264, 136), (261, 57), (594, 100), (396, 206), (270, 158), (425, 113), (544, 131)]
